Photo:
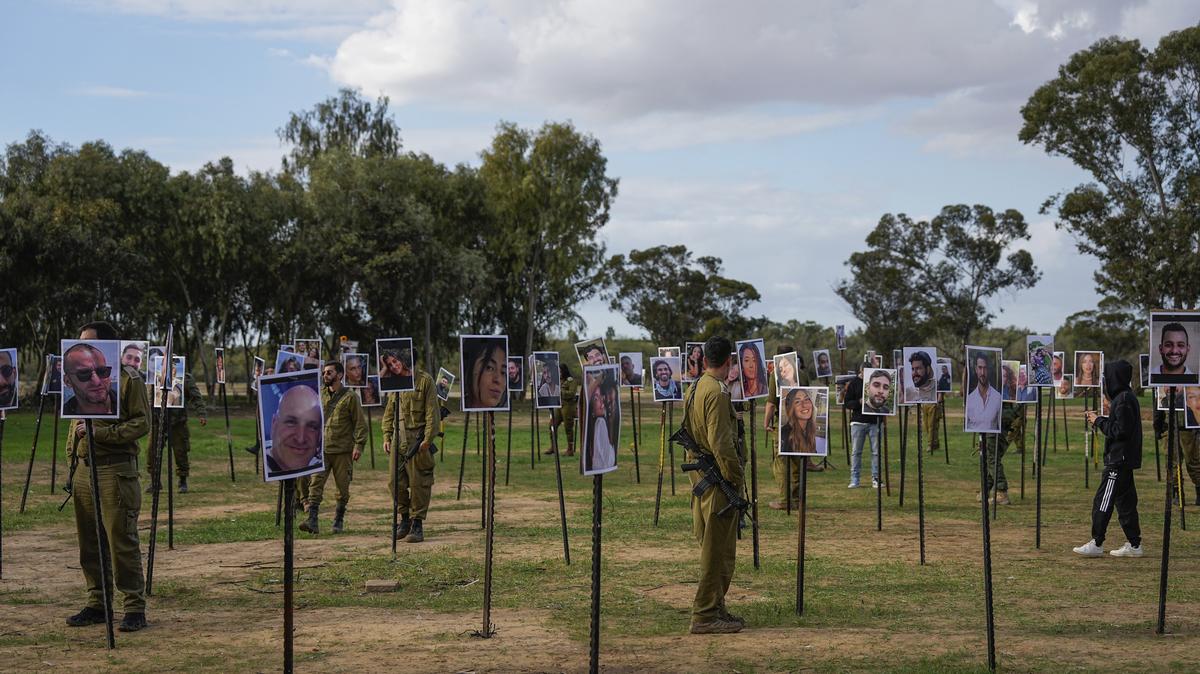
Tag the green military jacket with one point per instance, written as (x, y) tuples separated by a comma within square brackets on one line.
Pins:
[(419, 408), (345, 422), (120, 436), (192, 399), (710, 419), (569, 391)]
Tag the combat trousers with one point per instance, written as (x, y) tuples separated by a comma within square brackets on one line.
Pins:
[(1190, 450), (1116, 490), (120, 504), (780, 467), (179, 442), (931, 415), (302, 489), (996, 446), (416, 480), (341, 466), (718, 551)]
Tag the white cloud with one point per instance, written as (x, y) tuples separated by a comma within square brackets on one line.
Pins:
[(106, 91), (311, 12)]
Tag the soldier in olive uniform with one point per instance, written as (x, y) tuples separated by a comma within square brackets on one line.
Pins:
[(709, 417), (345, 436), (566, 413), (120, 498), (178, 438), (996, 445), (418, 423)]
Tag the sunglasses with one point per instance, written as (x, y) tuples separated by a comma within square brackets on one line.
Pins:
[(6, 371), (86, 375)]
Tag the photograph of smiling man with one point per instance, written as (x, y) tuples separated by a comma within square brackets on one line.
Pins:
[(293, 423)]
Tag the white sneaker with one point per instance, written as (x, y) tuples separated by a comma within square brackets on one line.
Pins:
[(1127, 550), (1090, 549), (874, 483), (852, 485)]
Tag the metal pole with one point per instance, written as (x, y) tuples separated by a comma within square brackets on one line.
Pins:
[(1037, 463), (229, 435), (508, 450), (803, 505), (489, 449), (54, 453), (594, 632), (1161, 626), (662, 459), (987, 559), (562, 504), (462, 461), (37, 427), (101, 535), (754, 487), (671, 443), (920, 484), (289, 540), (633, 409)]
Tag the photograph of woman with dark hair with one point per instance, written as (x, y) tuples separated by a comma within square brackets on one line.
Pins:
[(753, 369), (394, 358), (801, 431), (1088, 366), (484, 368), (693, 364)]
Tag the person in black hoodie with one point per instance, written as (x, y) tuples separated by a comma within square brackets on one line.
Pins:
[(1122, 431)]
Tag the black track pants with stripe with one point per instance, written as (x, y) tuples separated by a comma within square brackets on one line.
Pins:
[(1116, 491)]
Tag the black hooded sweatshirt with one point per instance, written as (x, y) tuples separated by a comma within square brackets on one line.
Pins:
[(1122, 429)]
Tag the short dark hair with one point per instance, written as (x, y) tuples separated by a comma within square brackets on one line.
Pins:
[(717, 350), (886, 374), (336, 365), (104, 329), (921, 356), (1169, 327), (784, 348)]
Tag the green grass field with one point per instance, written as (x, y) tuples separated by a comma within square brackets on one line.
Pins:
[(869, 604)]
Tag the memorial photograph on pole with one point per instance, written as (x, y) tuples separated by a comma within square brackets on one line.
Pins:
[(752, 368), (670, 352), (1172, 358), (288, 361), (1088, 366), (152, 353), (945, 382), (592, 352), (1191, 397), (733, 379), (260, 366), (9, 380), (822, 363), (803, 421), (787, 371), (920, 379), (394, 358), (1009, 388), (693, 361), (879, 391), (601, 419), (1026, 393), (355, 366), (133, 354), (445, 381), (516, 374), (668, 386), (631, 368), (219, 365), (292, 424), (483, 362), (1144, 369), (1066, 388), (547, 379), (369, 395), (91, 379), (1039, 352), (52, 382), (982, 404)]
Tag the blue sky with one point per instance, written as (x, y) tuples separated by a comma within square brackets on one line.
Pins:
[(771, 134)]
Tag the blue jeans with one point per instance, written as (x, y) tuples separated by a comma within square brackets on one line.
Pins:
[(858, 433)]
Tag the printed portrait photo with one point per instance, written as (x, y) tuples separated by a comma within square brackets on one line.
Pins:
[(1025, 392), (920, 377), (369, 394), (547, 380), (945, 382), (1066, 388), (804, 421), (1162, 398), (982, 403), (1056, 367), (1191, 398), (309, 348), (288, 361), (787, 371), (483, 362), (693, 361), (395, 358), (1172, 358), (52, 381), (516, 373), (1039, 356), (445, 381), (823, 363), (752, 368), (669, 351), (879, 391), (1144, 369), (134, 354), (292, 424), (664, 370), (592, 352), (8, 379), (1088, 367), (631, 368), (260, 367), (1008, 379), (91, 379), (733, 379), (839, 387), (152, 353), (601, 419), (175, 389), (354, 366), (839, 333), (220, 365)]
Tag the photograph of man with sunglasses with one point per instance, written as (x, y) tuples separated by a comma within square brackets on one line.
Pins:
[(90, 382), (8, 379)]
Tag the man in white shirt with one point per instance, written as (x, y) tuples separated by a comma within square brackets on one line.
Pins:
[(983, 403), (1173, 347)]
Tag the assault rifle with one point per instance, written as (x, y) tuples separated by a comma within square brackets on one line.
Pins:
[(710, 476)]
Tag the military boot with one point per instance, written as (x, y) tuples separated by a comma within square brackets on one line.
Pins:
[(417, 534), (403, 528), (339, 518), (183, 489), (310, 524)]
